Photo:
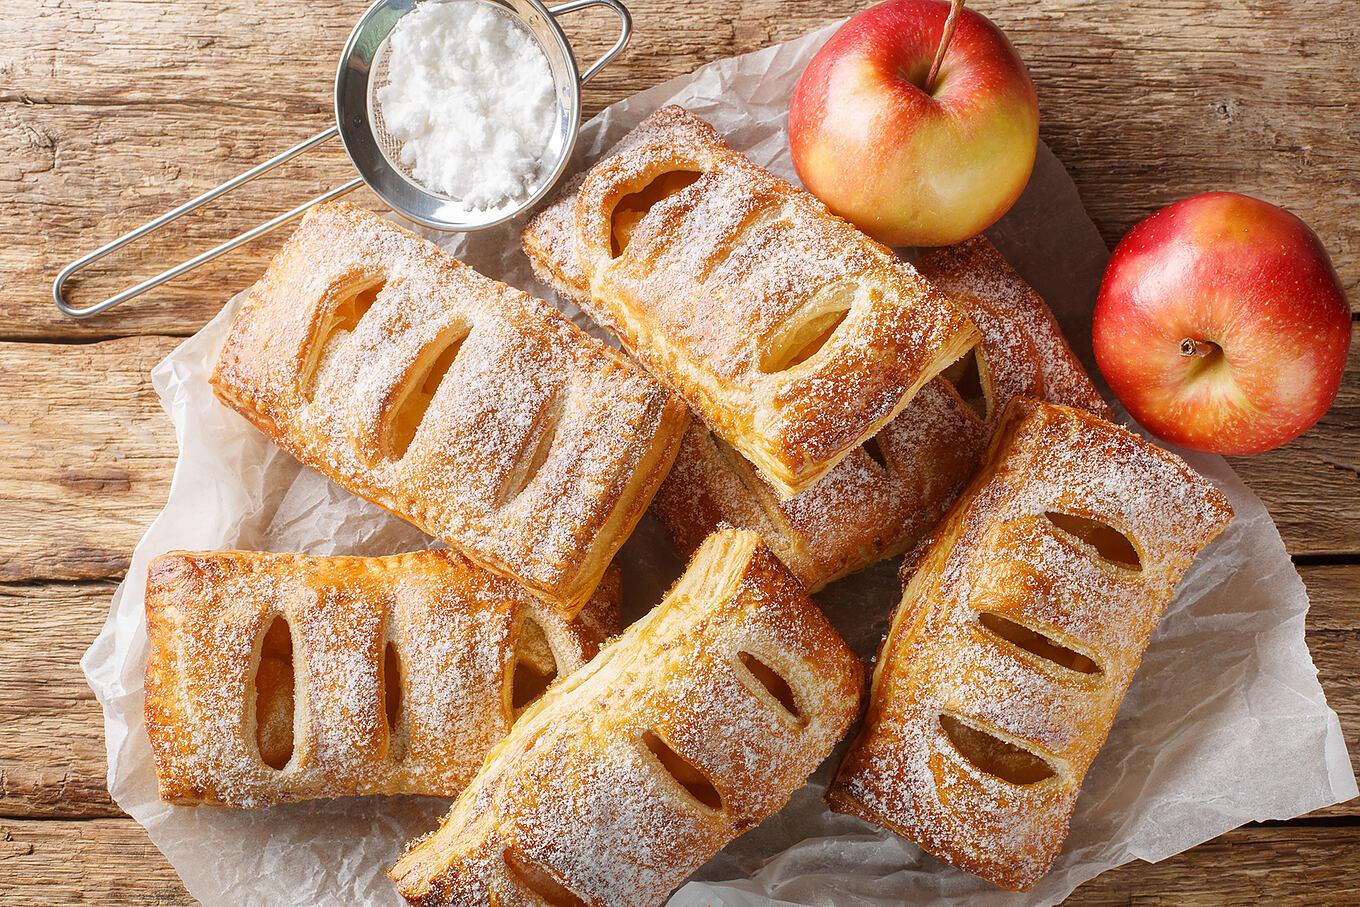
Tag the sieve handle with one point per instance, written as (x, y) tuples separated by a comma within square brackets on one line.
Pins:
[(625, 30), (59, 285)]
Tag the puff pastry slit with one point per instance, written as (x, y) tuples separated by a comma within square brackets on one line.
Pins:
[(1020, 628), (279, 677), (880, 499), (471, 409), (792, 334), (694, 726)]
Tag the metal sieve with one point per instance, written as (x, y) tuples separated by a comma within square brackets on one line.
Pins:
[(374, 152)]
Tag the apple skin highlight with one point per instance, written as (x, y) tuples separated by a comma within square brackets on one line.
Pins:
[(1254, 287), (907, 167)]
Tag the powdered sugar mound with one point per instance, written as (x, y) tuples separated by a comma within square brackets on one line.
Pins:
[(472, 101)]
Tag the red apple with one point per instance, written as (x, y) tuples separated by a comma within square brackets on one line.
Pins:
[(911, 164), (1221, 324)]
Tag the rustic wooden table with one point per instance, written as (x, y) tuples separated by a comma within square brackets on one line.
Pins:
[(112, 111)]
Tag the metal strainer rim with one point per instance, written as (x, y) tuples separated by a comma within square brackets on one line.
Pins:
[(353, 91)]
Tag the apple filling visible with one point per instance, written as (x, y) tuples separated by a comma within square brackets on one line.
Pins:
[(1037, 643), (966, 377), (773, 682), (808, 331), (427, 374), (686, 775), (535, 666), (1109, 543), (354, 303), (392, 701), (995, 756), (540, 881), (274, 695), (631, 209)]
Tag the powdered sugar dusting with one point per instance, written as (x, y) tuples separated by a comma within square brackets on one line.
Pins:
[(470, 97), (454, 629), (997, 551), (862, 511), (717, 272), (573, 789), (1025, 352), (519, 359)]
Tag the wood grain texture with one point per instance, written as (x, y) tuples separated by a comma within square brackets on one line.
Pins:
[(1240, 869), (110, 861), (1312, 484), (97, 861), (112, 111), (52, 761), (87, 456), (1149, 102), (52, 756)]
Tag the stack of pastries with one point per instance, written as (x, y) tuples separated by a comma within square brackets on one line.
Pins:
[(796, 403)]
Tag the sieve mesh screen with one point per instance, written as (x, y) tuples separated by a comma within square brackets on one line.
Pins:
[(381, 164), (388, 143)]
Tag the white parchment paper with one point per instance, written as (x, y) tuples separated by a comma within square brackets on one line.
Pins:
[(1225, 722)]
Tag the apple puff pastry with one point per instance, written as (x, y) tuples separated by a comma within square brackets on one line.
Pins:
[(695, 725), (885, 495), (1018, 633), (279, 677), (792, 334), (471, 409)]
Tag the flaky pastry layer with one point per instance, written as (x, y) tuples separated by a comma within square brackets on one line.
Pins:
[(471, 409), (886, 494), (792, 334), (694, 726), (1021, 626), (391, 675)]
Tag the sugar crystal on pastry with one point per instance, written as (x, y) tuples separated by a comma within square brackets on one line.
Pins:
[(280, 677), (793, 335), (880, 499), (471, 409), (694, 726), (1024, 618)]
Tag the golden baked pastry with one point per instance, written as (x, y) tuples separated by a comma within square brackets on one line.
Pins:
[(471, 409), (691, 728), (886, 494), (280, 677), (792, 334), (1017, 636)]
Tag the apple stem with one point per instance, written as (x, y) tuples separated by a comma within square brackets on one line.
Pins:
[(955, 7), (1198, 349)]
